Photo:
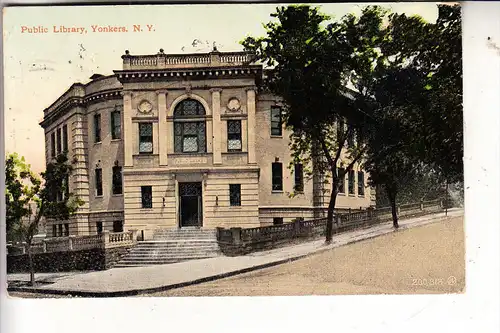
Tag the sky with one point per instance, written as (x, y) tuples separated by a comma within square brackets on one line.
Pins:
[(39, 67)]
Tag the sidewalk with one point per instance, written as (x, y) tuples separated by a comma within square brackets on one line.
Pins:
[(136, 280)]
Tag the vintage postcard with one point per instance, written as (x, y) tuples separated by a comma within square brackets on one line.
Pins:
[(234, 150)]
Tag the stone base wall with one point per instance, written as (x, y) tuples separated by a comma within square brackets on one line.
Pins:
[(85, 260), (289, 214)]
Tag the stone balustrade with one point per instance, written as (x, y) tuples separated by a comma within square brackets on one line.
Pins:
[(194, 60), (238, 241), (78, 243)]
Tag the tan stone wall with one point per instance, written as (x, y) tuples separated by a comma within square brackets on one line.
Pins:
[(219, 212), (104, 155), (164, 169), (160, 215), (270, 149)]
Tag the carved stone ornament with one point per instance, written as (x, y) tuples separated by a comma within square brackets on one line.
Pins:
[(145, 106), (233, 104)]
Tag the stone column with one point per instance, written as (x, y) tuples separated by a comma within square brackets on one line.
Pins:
[(163, 133), (251, 124), (127, 129), (216, 126)]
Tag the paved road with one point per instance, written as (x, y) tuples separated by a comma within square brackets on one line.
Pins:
[(131, 280), (423, 260)]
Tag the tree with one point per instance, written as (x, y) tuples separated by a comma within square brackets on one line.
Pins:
[(52, 198), (307, 65), (435, 50), (417, 102), (21, 187)]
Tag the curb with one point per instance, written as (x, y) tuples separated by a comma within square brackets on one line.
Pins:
[(135, 292)]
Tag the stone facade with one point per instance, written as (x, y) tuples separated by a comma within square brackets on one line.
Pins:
[(180, 140)]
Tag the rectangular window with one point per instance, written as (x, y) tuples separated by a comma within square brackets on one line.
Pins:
[(59, 140), (145, 138), (189, 137), (116, 125), (117, 180), (97, 127), (299, 178), (66, 187), (277, 174), (350, 137), (277, 220), (59, 195), (65, 138), (360, 136), (117, 226), (53, 145), (234, 135), (361, 183), (351, 181), (98, 181), (235, 194), (276, 121), (98, 226), (66, 229), (147, 196), (340, 129), (341, 175), (54, 230), (60, 230)]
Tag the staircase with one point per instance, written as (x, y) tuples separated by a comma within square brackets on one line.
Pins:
[(173, 245)]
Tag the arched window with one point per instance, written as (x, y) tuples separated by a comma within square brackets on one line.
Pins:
[(189, 127)]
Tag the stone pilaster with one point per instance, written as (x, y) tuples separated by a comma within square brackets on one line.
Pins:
[(216, 126), (80, 174), (163, 135), (127, 129), (251, 123)]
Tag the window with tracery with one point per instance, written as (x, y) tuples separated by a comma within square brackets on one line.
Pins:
[(189, 127)]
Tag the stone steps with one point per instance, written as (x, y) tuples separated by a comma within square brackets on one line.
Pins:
[(173, 245)]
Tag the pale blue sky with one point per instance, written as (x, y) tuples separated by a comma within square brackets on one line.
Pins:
[(38, 68)]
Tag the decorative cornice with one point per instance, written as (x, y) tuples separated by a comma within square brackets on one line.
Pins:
[(73, 102), (148, 74)]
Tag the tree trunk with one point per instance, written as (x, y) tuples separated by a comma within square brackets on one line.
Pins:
[(331, 207), (391, 194), (32, 270)]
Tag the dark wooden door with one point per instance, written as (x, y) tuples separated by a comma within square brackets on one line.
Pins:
[(190, 205)]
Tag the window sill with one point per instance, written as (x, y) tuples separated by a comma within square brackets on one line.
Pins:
[(234, 152), (97, 143), (98, 196), (116, 140), (276, 191), (188, 154), (146, 209), (235, 206), (343, 194), (276, 136), (352, 195), (361, 196)]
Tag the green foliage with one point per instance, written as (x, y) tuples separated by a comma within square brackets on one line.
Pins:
[(405, 108), (24, 191), (297, 52), (21, 189)]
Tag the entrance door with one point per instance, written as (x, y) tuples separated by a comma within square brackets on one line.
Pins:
[(190, 205)]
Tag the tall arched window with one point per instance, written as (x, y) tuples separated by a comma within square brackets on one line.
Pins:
[(189, 127)]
